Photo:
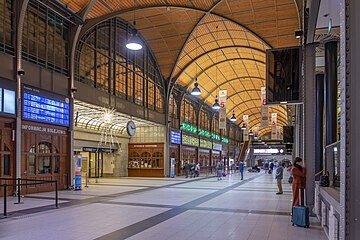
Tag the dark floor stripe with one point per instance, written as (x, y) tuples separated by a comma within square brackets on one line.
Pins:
[(141, 226), (74, 202)]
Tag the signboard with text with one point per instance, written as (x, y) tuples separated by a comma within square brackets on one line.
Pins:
[(43, 106), (222, 110), (175, 137), (7, 98)]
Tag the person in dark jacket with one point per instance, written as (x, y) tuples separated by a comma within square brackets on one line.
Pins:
[(279, 177), (186, 169), (241, 169), (299, 181)]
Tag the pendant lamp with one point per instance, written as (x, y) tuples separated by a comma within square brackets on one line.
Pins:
[(196, 90), (233, 118), (134, 42), (243, 126), (216, 105)]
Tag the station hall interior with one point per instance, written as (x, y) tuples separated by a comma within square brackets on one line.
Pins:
[(179, 119)]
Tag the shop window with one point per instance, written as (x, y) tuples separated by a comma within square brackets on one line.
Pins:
[(157, 157), (6, 164), (134, 159), (31, 168), (56, 164), (146, 160), (44, 147)]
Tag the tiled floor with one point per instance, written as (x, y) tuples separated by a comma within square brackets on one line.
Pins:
[(130, 208)]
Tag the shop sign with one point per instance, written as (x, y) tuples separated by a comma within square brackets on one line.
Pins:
[(175, 137), (188, 140), (145, 146), (225, 140), (204, 133), (100, 150), (222, 110), (273, 119), (188, 128), (205, 144), (41, 129), (43, 106), (217, 146)]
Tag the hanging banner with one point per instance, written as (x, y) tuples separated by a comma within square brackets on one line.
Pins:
[(273, 133), (256, 132), (264, 116), (263, 96), (278, 133), (246, 135), (246, 120), (78, 169), (222, 110), (273, 119)]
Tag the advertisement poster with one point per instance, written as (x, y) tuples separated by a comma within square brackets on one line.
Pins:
[(222, 110), (172, 169), (273, 133), (273, 119), (78, 173), (264, 116), (246, 120)]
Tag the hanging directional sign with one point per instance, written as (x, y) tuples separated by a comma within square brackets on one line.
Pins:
[(222, 110)]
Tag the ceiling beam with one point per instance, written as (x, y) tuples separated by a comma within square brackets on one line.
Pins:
[(312, 20)]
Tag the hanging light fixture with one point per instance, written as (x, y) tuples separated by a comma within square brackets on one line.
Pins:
[(216, 105), (251, 133), (134, 42), (243, 126), (196, 90), (233, 118)]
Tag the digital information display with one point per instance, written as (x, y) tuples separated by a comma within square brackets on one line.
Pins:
[(42, 106), (7, 101), (175, 137)]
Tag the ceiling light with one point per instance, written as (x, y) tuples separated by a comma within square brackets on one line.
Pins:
[(216, 105), (233, 118), (243, 126), (251, 133), (134, 42), (196, 90)]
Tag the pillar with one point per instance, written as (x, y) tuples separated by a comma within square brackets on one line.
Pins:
[(330, 101), (309, 107), (349, 119), (319, 128)]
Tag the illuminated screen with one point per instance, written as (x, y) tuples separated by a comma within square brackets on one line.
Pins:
[(175, 137), (42, 106), (9, 101)]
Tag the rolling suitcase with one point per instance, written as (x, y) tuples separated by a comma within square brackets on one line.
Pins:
[(300, 215)]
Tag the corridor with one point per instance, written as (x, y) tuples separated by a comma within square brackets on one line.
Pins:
[(179, 208)]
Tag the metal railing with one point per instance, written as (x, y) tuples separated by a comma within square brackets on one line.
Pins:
[(332, 163), (18, 184)]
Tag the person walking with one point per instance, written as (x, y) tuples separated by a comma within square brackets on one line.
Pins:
[(197, 169), (186, 169), (219, 168), (279, 177), (298, 171), (241, 169)]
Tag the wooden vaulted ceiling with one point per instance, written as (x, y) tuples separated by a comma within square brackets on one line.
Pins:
[(183, 36)]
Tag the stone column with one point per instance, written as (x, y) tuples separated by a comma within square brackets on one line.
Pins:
[(309, 122), (319, 122), (121, 161), (349, 120)]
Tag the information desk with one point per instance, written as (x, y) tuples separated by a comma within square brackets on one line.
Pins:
[(146, 160)]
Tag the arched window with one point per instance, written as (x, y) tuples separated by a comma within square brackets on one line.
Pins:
[(6, 26), (43, 158), (204, 120), (103, 61), (188, 112)]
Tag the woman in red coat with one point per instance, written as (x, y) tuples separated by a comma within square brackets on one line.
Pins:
[(299, 181)]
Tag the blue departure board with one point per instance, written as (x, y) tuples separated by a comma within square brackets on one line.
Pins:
[(40, 105), (175, 137)]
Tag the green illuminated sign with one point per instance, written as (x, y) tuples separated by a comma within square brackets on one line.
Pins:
[(204, 133), (188, 128), (215, 136), (224, 140)]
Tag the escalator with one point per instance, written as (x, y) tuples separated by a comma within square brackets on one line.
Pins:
[(244, 151)]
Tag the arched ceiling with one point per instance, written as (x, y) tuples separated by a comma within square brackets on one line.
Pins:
[(183, 36)]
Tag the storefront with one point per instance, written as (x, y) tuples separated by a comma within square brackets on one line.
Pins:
[(146, 159), (204, 155), (216, 153), (45, 138), (7, 131)]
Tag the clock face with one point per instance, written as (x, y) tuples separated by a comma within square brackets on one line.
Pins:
[(131, 128)]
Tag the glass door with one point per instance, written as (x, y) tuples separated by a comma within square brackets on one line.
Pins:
[(95, 165)]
